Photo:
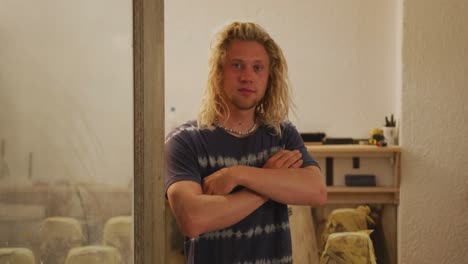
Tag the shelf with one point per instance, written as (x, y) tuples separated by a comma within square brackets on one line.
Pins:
[(369, 195), (353, 195), (350, 196), (318, 151)]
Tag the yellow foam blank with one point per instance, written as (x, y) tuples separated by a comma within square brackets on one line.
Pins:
[(349, 248), (94, 255), (118, 234), (16, 256), (61, 227), (118, 231), (347, 220), (58, 235)]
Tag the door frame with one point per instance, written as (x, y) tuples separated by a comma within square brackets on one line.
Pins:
[(149, 199)]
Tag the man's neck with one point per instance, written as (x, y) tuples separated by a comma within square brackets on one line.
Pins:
[(239, 120)]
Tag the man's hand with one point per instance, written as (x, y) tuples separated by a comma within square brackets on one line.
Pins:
[(219, 183), (284, 159)]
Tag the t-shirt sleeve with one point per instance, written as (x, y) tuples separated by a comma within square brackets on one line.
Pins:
[(293, 140), (181, 161)]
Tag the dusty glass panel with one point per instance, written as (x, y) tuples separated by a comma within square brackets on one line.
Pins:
[(66, 131)]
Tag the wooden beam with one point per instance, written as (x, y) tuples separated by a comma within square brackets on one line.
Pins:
[(148, 43)]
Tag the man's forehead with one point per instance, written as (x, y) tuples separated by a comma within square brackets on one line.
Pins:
[(239, 59), (246, 50)]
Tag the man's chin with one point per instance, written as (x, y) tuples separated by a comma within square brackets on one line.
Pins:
[(245, 106)]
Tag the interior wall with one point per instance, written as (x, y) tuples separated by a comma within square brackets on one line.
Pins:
[(341, 56), (66, 90), (434, 185)]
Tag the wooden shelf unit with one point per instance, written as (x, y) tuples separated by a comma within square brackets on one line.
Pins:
[(351, 150), (352, 195), (346, 196), (366, 195)]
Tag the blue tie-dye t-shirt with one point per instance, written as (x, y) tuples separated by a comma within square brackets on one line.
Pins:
[(262, 237)]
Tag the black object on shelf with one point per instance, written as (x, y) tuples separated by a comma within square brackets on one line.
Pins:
[(313, 137), (360, 180), (329, 171), (339, 141), (356, 162)]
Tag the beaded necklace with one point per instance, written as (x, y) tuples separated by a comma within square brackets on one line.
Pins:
[(237, 132)]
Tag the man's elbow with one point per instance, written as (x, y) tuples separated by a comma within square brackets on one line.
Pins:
[(189, 231), (322, 199), (190, 226), (319, 198)]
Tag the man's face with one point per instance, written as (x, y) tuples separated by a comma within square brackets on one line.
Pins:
[(246, 70)]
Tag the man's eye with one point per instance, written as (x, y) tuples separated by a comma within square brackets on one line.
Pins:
[(236, 65), (258, 68)]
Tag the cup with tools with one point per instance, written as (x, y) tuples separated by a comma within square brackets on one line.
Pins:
[(389, 131)]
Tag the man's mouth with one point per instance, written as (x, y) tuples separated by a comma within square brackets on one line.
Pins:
[(246, 91)]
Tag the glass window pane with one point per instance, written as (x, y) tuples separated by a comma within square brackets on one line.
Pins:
[(66, 131)]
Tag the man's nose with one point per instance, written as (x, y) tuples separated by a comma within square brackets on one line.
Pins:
[(247, 74)]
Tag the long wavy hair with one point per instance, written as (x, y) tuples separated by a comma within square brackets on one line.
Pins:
[(274, 107)]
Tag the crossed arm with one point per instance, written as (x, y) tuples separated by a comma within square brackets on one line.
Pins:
[(200, 210)]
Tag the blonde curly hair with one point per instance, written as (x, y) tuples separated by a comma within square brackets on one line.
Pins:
[(274, 107)]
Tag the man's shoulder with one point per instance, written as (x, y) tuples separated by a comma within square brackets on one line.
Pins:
[(182, 130), (188, 124), (286, 123), (287, 127), (185, 131)]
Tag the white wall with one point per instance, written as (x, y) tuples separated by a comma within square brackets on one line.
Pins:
[(66, 89), (341, 54), (434, 186)]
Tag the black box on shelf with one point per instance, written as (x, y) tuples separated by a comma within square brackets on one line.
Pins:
[(313, 137), (360, 180)]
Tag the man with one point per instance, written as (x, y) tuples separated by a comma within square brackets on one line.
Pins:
[(230, 174)]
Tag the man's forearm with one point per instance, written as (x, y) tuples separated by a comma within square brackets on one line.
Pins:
[(202, 213), (303, 186)]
